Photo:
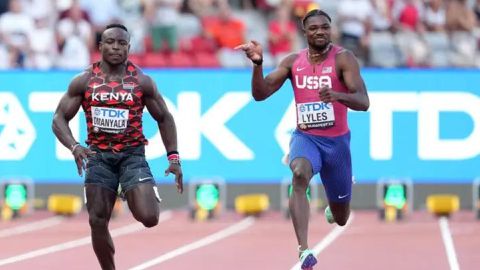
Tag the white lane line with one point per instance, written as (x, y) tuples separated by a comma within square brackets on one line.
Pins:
[(30, 227), (231, 230), (448, 243), (131, 228), (327, 240)]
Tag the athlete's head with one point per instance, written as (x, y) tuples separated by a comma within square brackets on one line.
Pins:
[(317, 29), (115, 44)]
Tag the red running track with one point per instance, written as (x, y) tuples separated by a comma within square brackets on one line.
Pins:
[(237, 243)]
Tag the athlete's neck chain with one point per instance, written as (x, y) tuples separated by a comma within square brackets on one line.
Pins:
[(318, 56), (314, 55)]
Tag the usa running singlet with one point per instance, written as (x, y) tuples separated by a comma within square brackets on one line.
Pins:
[(314, 116), (113, 110)]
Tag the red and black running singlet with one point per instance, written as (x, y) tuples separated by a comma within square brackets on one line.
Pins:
[(113, 110)]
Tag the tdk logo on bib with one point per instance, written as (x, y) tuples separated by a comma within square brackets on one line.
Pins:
[(309, 107), (107, 112), (110, 120)]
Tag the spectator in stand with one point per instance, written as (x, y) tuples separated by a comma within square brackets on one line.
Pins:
[(227, 31), (15, 30), (101, 13), (65, 12), (162, 16), (45, 9), (461, 22), (201, 8), (434, 17), (382, 15), (407, 15), (75, 38), (354, 19), (300, 7), (460, 17), (476, 9), (43, 44), (136, 23), (270, 5), (282, 33)]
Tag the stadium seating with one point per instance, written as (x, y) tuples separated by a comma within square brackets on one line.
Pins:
[(206, 59), (151, 60), (383, 51), (439, 47)]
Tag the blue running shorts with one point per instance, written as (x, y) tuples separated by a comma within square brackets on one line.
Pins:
[(329, 156)]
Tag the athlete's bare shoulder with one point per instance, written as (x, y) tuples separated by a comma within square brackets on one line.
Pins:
[(79, 83), (345, 58), (288, 61), (146, 82)]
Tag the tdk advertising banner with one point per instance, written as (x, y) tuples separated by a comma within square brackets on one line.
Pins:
[(422, 124)]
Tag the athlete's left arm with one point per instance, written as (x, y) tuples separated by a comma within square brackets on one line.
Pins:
[(156, 106), (349, 72)]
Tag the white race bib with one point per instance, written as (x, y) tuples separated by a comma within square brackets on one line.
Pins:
[(110, 120), (315, 115)]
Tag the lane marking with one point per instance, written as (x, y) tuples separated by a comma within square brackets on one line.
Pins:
[(131, 228), (210, 239), (448, 243), (327, 240), (30, 227)]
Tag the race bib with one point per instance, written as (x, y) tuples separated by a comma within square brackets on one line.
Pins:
[(315, 115), (110, 120)]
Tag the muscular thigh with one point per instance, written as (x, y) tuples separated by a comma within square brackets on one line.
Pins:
[(143, 199), (99, 200), (336, 172), (302, 147)]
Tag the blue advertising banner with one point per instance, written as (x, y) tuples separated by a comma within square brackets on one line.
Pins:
[(422, 124)]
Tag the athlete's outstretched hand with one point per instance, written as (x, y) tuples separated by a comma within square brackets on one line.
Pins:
[(253, 50), (327, 94), (176, 169), (81, 155)]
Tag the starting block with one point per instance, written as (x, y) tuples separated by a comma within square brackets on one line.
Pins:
[(252, 204), (64, 204), (394, 198), (443, 204)]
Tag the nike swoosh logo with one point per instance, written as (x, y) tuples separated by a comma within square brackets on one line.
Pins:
[(301, 68), (342, 196), (143, 179)]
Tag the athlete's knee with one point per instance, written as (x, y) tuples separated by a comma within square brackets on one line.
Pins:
[(98, 223), (342, 219), (149, 220), (300, 177)]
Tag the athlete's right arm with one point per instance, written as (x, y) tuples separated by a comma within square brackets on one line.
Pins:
[(67, 108), (263, 87)]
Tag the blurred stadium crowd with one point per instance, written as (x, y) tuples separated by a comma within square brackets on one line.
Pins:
[(45, 34)]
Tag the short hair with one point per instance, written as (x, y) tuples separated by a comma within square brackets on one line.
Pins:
[(315, 12), (116, 25)]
